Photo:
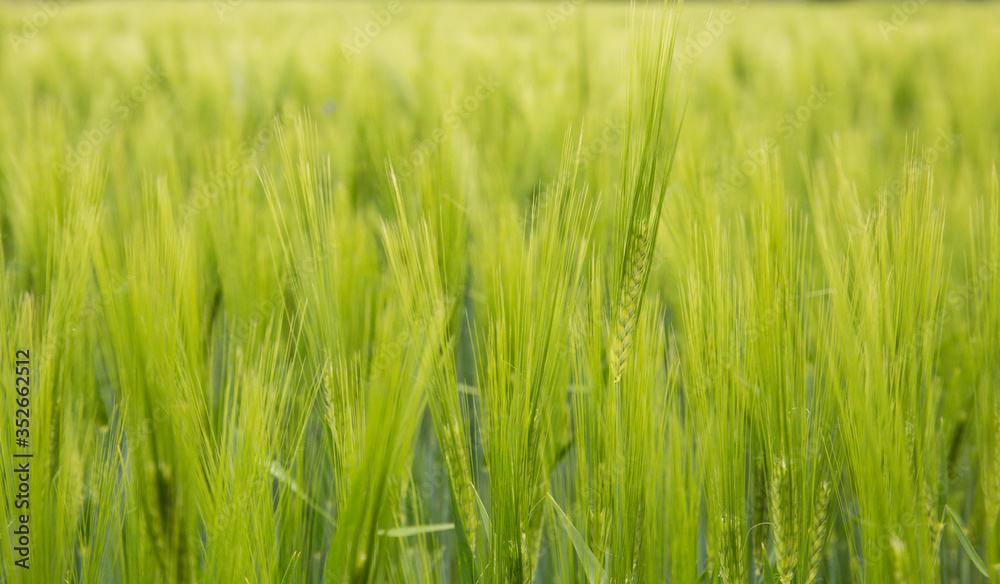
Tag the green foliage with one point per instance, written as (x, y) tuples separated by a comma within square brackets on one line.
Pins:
[(459, 301)]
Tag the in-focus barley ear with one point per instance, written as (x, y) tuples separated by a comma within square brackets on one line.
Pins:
[(628, 307)]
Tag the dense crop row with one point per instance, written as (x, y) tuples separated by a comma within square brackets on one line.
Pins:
[(486, 293)]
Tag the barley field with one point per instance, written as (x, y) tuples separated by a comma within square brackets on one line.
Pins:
[(499, 292)]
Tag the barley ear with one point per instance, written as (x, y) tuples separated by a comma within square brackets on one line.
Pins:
[(991, 486), (628, 307), (818, 531), (784, 546), (899, 559), (760, 528)]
